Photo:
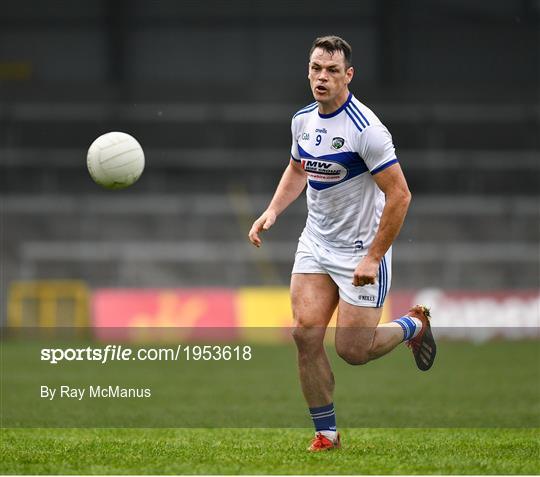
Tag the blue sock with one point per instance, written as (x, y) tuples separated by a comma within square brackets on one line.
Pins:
[(324, 418), (408, 325)]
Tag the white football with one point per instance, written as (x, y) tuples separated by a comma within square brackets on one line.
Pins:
[(115, 160)]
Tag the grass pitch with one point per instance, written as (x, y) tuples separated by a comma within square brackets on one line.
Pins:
[(268, 451), (476, 412), (494, 384)]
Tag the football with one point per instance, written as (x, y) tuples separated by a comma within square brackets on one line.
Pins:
[(115, 160)]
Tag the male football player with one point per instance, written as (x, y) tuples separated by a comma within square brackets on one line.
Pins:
[(357, 200)]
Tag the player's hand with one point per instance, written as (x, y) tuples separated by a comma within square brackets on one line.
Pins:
[(264, 222), (366, 272)]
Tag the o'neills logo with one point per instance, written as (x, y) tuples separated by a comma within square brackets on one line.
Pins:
[(324, 171), (366, 297)]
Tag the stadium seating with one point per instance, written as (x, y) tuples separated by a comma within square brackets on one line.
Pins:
[(472, 224)]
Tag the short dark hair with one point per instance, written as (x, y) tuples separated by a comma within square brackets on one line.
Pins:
[(331, 44)]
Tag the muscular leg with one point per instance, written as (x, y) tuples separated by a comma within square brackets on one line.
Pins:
[(314, 299), (360, 338)]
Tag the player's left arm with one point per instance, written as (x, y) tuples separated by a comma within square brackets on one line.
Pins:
[(394, 186)]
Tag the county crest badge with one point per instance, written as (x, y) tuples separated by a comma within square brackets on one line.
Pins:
[(337, 142)]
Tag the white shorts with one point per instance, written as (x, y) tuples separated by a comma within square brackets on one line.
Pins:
[(313, 257)]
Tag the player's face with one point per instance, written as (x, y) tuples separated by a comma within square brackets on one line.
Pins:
[(329, 77)]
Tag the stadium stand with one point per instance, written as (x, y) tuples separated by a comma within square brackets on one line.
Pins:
[(215, 151)]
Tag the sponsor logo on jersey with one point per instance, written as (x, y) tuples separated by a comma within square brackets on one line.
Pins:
[(337, 142), (324, 171), (305, 136), (321, 131)]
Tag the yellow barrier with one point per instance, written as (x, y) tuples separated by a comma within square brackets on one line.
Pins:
[(15, 70), (48, 303)]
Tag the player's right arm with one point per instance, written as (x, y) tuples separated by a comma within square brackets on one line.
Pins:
[(290, 186)]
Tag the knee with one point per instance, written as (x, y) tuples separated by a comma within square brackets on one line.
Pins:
[(353, 356), (301, 334), (307, 336)]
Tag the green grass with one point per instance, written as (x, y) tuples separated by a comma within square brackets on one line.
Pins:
[(268, 451), (476, 412), (495, 384)]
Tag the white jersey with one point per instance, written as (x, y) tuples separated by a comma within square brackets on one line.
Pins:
[(341, 152)]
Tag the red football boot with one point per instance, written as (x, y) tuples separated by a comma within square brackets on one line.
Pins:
[(423, 345), (322, 443)]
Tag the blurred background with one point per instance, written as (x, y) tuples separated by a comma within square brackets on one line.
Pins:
[(208, 89)]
